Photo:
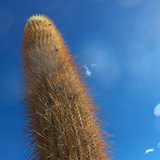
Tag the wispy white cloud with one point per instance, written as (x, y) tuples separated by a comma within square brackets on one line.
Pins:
[(100, 58), (157, 110), (159, 145), (93, 65), (88, 72), (149, 150)]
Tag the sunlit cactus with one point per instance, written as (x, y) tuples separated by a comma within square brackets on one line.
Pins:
[(61, 116)]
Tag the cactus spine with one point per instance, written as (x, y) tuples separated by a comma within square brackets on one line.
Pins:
[(61, 115)]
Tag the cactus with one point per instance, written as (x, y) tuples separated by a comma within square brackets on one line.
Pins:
[(61, 115)]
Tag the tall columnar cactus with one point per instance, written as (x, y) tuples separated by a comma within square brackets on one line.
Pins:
[(61, 115)]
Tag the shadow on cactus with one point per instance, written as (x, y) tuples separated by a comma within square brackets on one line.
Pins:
[(61, 115)]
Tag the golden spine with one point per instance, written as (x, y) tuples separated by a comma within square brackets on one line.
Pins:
[(61, 115)]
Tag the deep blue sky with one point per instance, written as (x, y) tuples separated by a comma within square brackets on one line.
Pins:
[(118, 42)]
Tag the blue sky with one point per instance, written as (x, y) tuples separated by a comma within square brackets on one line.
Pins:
[(118, 42)]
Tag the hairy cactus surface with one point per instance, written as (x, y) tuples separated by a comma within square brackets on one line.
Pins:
[(61, 116)]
